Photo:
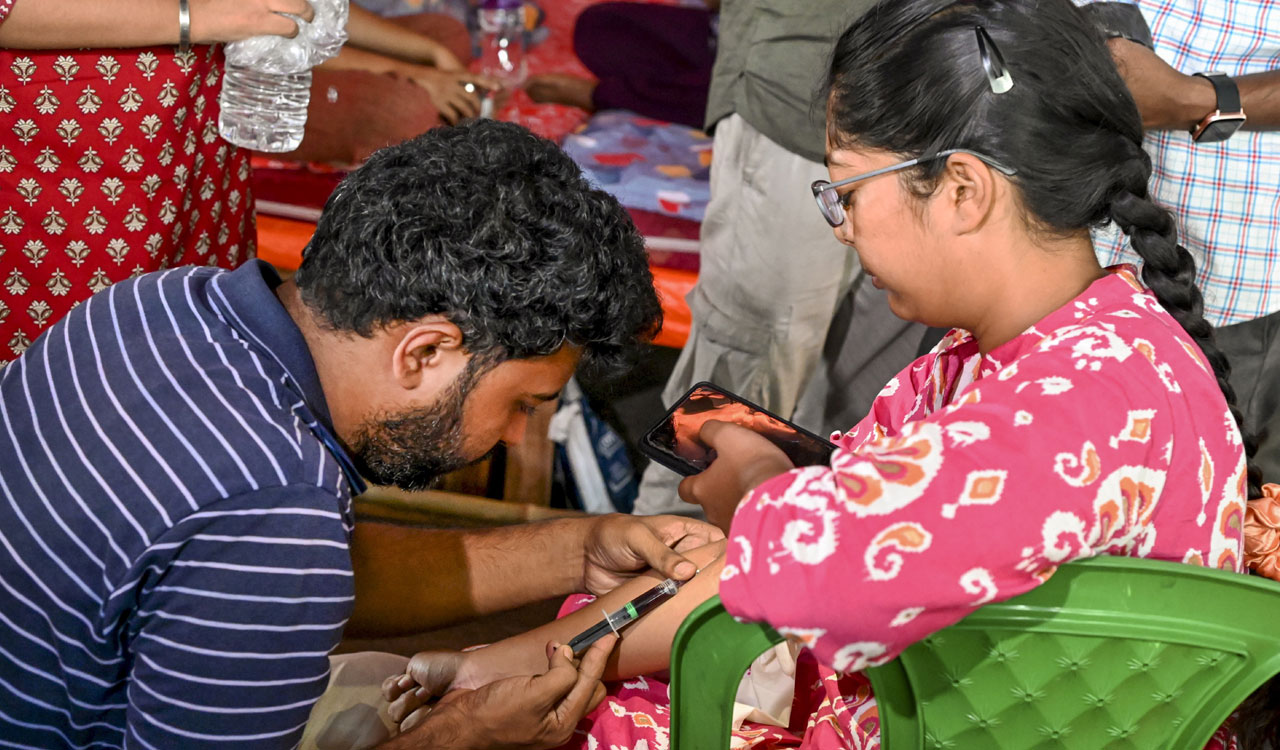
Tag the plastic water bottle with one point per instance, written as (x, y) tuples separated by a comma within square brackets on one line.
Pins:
[(501, 26), (267, 82), (264, 111)]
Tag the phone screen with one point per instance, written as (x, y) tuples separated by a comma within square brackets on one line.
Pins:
[(673, 442)]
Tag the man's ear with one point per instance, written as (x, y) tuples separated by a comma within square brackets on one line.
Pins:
[(968, 192), (427, 349)]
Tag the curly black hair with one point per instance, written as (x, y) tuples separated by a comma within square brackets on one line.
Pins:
[(496, 229)]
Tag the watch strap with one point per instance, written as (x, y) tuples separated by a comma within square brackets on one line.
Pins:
[(1225, 89), (1119, 19)]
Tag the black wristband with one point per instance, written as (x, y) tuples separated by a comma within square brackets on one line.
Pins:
[(1228, 115), (1225, 89)]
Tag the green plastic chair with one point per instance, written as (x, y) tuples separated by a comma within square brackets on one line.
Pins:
[(1113, 652)]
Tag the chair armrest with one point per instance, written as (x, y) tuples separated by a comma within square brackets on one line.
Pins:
[(709, 655)]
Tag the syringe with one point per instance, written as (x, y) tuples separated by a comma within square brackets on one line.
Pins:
[(625, 615)]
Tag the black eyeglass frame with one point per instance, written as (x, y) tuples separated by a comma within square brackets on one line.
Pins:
[(833, 207)]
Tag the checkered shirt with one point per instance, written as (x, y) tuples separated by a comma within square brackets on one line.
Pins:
[(1226, 195)]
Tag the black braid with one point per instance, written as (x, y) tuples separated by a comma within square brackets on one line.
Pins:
[(1169, 270)]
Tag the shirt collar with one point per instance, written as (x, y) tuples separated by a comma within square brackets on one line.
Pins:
[(256, 313), (1120, 280)]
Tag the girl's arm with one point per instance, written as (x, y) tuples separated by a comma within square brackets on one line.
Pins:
[(369, 31), (69, 24), (645, 646)]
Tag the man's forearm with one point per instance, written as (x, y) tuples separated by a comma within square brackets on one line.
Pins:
[(409, 579), (1259, 98), (1173, 100), (1260, 95)]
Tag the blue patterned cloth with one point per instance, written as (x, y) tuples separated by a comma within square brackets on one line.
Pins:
[(646, 164)]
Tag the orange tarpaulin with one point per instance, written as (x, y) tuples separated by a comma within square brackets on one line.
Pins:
[(280, 243)]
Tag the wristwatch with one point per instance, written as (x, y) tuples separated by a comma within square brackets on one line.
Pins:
[(1223, 122)]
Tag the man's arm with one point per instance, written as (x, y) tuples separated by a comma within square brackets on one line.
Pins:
[(1173, 100), (412, 579), (68, 24), (408, 579)]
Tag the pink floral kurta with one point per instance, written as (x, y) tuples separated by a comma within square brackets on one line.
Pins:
[(1100, 430)]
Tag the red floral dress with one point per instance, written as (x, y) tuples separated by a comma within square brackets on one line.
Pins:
[(110, 166)]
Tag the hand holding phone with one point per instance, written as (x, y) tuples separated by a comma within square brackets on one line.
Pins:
[(744, 461), (675, 440)]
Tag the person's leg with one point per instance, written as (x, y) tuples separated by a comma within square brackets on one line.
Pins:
[(1253, 348), (352, 714), (353, 113), (771, 275), (651, 59), (613, 38)]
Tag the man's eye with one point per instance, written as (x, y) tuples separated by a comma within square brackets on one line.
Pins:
[(528, 409), (846, 199)]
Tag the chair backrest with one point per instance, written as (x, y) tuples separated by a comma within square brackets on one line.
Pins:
[(1109, 652)]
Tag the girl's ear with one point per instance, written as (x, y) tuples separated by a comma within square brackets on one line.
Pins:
[(969, 192)]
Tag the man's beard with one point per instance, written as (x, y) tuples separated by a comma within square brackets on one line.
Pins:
[(414, 448)]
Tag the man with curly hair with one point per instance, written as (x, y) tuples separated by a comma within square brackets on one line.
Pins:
[(178, 555)]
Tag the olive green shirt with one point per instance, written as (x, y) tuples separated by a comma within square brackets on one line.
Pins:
[(771, 61)]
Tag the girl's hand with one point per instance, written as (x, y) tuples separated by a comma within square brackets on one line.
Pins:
[(744, 460), (429, 675), (448, 91), (446, 61)]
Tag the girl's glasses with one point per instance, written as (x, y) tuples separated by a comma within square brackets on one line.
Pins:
[(832, 205)]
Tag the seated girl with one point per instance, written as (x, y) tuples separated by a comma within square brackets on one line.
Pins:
[(1072, 411)]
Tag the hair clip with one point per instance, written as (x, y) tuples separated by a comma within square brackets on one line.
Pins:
[(998, 76)]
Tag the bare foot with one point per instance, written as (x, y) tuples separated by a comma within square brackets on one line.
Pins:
[(562, 88)]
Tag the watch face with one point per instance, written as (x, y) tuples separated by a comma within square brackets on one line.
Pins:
[(1219, 130)]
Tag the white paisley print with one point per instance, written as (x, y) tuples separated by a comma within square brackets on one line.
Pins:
[(1100, 430)]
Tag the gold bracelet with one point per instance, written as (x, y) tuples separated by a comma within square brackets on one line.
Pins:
[(184, 26)]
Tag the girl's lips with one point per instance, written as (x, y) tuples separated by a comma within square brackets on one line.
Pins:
[(875, 282)]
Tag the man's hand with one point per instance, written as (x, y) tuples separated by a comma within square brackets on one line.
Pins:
[(524, 712), (617, 547), (232, 20), (743, 461), (1167, 99)]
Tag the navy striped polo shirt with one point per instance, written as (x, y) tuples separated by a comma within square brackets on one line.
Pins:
[(174, 521)]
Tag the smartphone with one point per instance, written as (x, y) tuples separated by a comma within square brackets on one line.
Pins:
[(673, 441)]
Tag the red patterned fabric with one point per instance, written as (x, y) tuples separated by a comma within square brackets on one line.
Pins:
[(110, 166)]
